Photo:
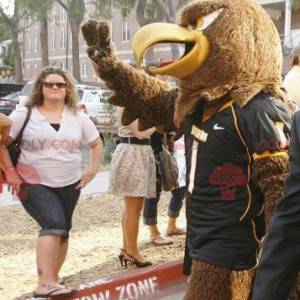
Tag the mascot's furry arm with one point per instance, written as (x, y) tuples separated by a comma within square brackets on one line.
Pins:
[(268, 143), (270, 173), (148, 99)]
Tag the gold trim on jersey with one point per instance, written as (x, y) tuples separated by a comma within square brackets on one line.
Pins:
[(269, 154), (249, 160), (254, 232)]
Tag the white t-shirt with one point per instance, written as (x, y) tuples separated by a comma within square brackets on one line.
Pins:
[(51, 157), (179, 155), (292, 84)]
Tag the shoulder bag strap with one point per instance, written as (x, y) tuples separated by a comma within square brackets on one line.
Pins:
[(19, 136)]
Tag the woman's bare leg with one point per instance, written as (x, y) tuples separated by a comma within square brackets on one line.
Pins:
[(131, 224), (47, 253), (61, 257), (123, 231)]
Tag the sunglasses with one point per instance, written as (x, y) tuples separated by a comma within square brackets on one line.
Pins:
[(51, 85)]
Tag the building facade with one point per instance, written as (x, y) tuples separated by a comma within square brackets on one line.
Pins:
[(123, 29)]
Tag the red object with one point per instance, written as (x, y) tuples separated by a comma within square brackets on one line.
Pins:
[(144, 283), (165, 63), (28, 173), (81, 106), (2, 181), (228, 177)]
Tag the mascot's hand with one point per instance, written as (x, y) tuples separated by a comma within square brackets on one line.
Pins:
[(97, 37), (144, 97)]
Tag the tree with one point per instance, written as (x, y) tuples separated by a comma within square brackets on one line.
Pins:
[(5, 34), (12, 24), (40, 13), (151, 11), (75, 10), (103, 8)]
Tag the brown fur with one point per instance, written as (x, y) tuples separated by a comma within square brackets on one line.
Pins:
[(133, 87), (244, 58), (270, 174), (211, 282)]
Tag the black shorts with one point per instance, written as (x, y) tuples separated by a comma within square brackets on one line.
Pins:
[(51, 208)]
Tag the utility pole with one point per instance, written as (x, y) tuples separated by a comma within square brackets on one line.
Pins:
[(288, 24), (67, 37)]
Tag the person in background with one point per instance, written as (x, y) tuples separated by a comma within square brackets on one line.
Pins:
[(178, 194), (8, 173), (150, 204), (291, 81), (132, 176), (50, 168), (279, 265)]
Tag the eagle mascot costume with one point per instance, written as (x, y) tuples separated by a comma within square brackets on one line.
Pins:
[(232, 112)]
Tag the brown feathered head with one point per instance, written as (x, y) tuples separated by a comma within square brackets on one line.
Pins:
[(232, 49)]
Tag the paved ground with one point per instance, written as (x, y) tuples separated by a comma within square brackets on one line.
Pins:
[(98, 185)]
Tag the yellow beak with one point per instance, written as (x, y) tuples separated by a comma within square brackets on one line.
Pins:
[(155, 33)]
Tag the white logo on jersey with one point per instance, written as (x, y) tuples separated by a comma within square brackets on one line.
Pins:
[(217, 127)]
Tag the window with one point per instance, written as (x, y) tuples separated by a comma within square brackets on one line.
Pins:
[(84, 69), (62, 39), (63, 14), (27, 45), (36, 43), (125, 31), (53, 39), (53, 15)]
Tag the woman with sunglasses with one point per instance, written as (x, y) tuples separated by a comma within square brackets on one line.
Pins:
[(49, 166)]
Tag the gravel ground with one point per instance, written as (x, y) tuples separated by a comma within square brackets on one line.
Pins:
[(94, 245)]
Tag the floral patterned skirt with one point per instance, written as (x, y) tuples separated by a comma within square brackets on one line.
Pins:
[(133, 171)]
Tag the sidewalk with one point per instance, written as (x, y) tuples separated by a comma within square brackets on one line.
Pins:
[(98, 185)]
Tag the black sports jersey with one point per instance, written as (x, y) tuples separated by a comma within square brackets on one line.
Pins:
[(222, 203)]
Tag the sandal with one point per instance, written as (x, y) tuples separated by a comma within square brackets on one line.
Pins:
[(55, 291), (161, 241)]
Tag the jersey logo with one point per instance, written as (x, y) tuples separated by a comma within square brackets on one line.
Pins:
[(228, 177), (218, 127), (199, 134)]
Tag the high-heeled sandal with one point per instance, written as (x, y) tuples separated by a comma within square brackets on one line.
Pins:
[(138, 263), (121, 257)]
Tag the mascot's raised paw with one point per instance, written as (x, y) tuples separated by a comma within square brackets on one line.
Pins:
[(97, 36), (134, 88)]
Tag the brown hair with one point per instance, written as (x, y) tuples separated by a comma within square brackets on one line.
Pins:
[(296, 60), (36, 96)]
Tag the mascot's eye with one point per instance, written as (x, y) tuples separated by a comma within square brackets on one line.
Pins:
[(209, 19), (194, 25)]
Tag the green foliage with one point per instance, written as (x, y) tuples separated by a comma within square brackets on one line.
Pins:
[(125, 6), (76, 9), (5, 34), (103, 8), (34, 10), (8, 56), (296, 4)]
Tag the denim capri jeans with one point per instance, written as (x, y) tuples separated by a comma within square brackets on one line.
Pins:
[(51, 208)]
